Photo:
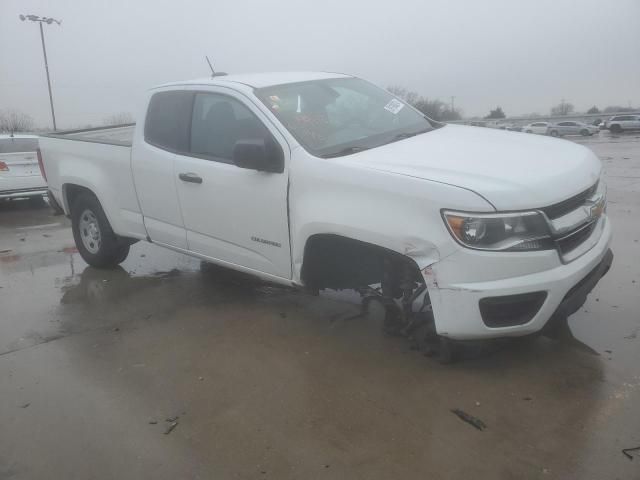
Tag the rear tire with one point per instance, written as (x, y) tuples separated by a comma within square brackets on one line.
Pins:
[(584, 133), (554, 133), (615, 128), (95, 240)]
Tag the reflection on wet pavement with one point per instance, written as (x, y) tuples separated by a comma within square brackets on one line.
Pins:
[(267, 382)]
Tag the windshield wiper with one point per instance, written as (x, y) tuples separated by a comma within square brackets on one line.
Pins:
[(359, 148), (403, 135), (345, 151)]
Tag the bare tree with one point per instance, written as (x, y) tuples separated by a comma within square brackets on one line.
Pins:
[(119, 118), (407, 95), (15, 121), (616, 108), (563, 108), (398, 91), (497, 113), (431, 108), (449, 115)]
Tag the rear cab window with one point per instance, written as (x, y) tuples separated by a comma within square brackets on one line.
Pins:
[(167, 122)]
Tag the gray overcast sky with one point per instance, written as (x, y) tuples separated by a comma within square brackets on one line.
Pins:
[(522, 55)]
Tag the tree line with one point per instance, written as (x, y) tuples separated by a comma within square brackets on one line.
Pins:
[(439, 110)]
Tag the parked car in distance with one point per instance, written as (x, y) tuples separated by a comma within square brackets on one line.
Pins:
[(622, 123), (323, 180), (496, 124), (20, 175), (541, 128), (574, 128)]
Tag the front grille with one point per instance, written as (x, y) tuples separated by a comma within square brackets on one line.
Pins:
[(559, 209), (572, 241)]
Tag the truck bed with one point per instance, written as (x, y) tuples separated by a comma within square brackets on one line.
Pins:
[(112, 135), (99, 160)]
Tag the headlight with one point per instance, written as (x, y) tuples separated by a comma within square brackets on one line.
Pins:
[(505, 232)]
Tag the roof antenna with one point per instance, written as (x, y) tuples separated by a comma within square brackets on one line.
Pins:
[(213, 72)]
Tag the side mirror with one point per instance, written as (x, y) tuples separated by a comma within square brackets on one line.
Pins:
[(259, 154)]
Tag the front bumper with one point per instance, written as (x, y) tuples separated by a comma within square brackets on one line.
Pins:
[(456, 304), (575, 298)]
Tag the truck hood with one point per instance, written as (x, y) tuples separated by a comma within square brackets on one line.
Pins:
[(512, 170)]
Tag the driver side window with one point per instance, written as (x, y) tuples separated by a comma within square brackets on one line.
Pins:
[(218, 122)]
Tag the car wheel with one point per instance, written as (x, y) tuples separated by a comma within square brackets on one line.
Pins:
[(615, 128), (584, 132), (554, 133), (528, 131), (95, 240)]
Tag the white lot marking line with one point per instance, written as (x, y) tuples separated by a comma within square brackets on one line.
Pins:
[(35, 227)]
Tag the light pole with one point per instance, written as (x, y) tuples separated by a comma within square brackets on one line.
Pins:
[(48, 21)]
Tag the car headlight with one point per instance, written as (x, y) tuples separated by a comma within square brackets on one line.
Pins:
[(505, 232)]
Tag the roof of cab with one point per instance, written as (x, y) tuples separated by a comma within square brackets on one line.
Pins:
[(260, 80)]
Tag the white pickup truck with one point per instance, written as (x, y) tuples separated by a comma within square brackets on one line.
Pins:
[(323, 180)]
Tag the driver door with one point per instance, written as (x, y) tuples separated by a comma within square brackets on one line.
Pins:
[(234, 215)]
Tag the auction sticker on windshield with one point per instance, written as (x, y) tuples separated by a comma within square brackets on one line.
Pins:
[(394, 106)]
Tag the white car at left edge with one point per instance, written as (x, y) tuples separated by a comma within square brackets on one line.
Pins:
[(20, 173)]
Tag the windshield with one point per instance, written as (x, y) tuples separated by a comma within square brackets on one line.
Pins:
[(339, 116)]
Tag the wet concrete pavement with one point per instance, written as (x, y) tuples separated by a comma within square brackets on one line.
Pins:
[(265, 382)]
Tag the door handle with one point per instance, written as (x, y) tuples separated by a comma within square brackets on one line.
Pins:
[(190, 177)]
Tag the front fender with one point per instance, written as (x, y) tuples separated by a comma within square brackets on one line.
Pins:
[(393, 211)]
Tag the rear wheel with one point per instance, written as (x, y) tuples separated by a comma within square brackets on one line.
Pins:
[(584, 132), (554, 133), (615, 128), (95, 240)]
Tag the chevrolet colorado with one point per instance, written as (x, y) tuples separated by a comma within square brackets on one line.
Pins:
[(323, 180)]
